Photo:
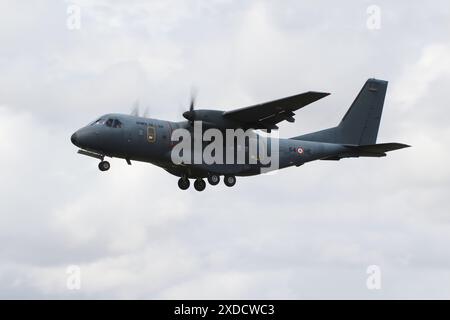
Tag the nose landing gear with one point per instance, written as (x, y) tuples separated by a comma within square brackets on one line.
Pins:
[(104, 166)]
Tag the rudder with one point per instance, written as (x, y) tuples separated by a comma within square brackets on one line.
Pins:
[(360, 124)]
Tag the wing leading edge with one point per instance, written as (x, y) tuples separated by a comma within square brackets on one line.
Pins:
[(267, 115)]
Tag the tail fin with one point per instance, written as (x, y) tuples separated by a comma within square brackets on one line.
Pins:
[(360, 124)]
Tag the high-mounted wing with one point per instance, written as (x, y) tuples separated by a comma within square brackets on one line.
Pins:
[(267, 115)]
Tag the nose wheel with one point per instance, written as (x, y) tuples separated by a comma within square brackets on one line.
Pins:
[(104, 166)]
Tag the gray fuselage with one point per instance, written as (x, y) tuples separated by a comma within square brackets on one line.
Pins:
[(149, 140)]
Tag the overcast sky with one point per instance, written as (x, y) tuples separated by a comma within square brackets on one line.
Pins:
[(308, 232)]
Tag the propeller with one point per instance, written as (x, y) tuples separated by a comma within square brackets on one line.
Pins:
[(190, 114), (145, 114), (136, 110)]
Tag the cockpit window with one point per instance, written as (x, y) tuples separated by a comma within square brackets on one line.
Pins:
[(109, 122), (112, 123), (117, 124), (100, 121)]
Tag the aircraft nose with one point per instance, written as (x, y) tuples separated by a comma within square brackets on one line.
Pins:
[(74, 139)]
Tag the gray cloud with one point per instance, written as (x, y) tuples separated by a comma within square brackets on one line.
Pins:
[(307, 232)]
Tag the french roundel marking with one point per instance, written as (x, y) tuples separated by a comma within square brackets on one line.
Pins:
[(300, 150)]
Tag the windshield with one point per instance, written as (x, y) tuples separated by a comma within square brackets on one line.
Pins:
[(100, 121), (110, 122)]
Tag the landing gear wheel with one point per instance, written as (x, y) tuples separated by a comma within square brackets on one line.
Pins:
[(230, 181), (214, 179), (199, 185), (104, 166), (184, 183)]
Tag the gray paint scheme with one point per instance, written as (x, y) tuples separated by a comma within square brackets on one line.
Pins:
[(355, 136), (360, 124)]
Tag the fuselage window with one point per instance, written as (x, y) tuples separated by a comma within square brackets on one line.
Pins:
[(151, 134)]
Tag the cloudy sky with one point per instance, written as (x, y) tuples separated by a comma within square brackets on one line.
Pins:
[(308, 232)]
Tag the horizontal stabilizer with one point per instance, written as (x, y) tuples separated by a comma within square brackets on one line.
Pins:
[(380, 148), (371, 150)]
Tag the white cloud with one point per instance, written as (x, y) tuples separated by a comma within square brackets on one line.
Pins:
[(307, 232), (417, 79)]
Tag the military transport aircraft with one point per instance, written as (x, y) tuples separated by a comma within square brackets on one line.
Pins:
[(136, 138)]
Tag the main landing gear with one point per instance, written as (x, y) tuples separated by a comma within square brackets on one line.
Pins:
[(104, 166), (200, 184), (184, 183), (230, 181), (214, 179)]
